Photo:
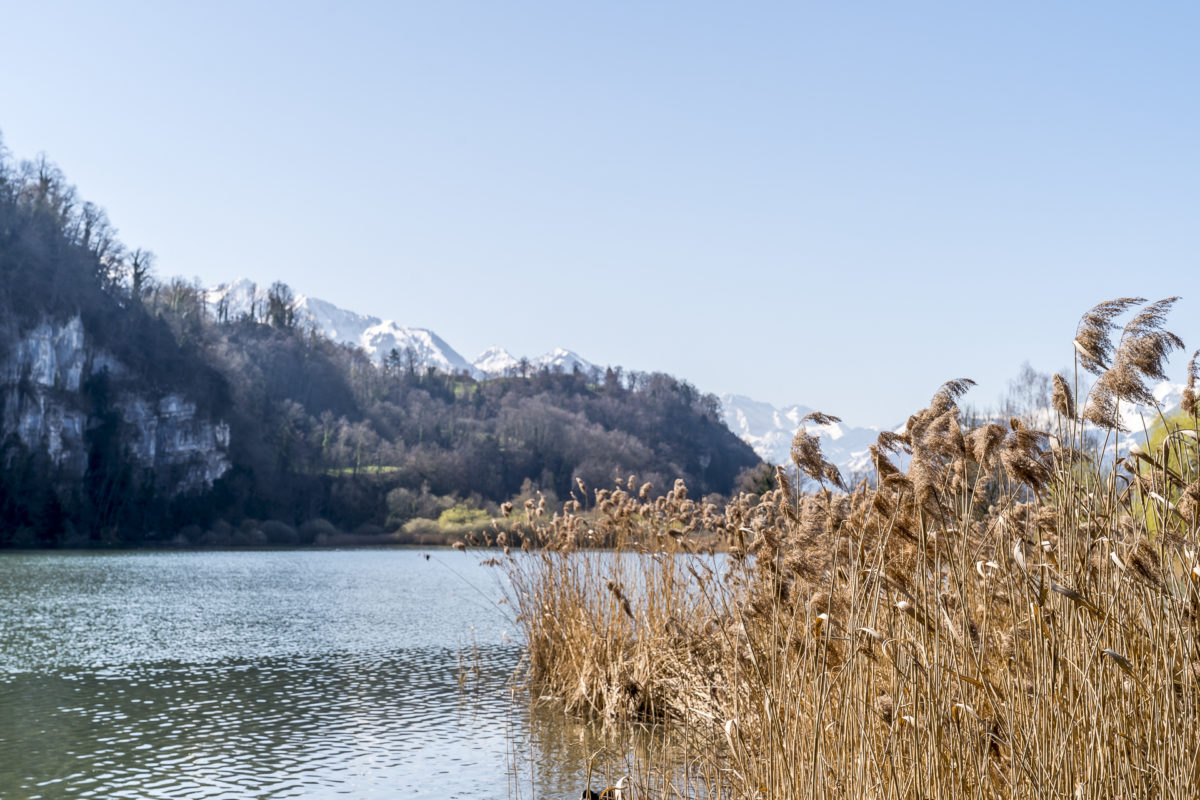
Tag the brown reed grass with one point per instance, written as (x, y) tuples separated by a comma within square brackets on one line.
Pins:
[(1005, 618)]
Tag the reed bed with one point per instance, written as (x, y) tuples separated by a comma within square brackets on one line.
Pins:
[(1015, 614)]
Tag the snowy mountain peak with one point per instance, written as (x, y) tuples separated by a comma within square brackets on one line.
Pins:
[(235, 299), (426, 347), (566, 360), (243, 298), (495, 362), (770, 430)]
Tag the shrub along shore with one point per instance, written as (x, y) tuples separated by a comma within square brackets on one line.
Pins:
[(1016, 614)]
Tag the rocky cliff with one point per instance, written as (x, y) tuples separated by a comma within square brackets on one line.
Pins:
[(49, 401)]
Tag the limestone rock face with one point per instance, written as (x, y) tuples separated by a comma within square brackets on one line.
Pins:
[(43, 403)]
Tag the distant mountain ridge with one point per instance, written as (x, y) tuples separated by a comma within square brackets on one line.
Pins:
[(378, 337), (768, 429)]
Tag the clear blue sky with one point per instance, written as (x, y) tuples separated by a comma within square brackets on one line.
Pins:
[(836, 204)]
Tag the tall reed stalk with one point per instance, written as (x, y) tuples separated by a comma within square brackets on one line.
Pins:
[(1010, 616)]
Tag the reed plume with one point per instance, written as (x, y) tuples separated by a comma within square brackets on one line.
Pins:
[(819, 418), (1189, 391), (1093, 334), (1101, 409), (1062, 398), (807, 456), (944, 631)]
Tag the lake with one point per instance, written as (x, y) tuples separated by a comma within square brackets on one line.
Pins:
[(299, 673)]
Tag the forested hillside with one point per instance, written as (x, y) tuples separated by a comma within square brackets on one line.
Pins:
[(133, 413)]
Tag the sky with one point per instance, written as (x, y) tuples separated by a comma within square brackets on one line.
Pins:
[(841, 205)]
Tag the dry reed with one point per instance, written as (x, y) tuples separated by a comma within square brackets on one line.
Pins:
[(1005, 618)]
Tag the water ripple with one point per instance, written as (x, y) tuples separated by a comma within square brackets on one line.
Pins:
[(388, 724), (282, 674)]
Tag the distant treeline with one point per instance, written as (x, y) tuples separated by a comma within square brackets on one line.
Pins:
[(321, 438)]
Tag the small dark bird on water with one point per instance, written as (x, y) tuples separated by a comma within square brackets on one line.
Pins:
[(617, 792)]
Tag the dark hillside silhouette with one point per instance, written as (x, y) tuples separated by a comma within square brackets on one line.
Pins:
[(316, 430)]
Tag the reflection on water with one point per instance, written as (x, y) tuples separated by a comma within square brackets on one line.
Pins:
[(271, 674), (550, 740)]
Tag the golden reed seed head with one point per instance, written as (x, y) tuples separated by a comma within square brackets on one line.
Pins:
[(1093, 335), (1125, 382), (806, 455), (1102, 409), (835, 477), (883, 465), (1150, 319), (950, 392), (1189, 391), (1148, 353), (820, 418), (893, 442), (1063, 399), (785, 484), (985, 442)]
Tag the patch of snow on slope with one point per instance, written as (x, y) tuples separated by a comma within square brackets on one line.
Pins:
[(1140, 419), (237, 297), (770, 430), (495, 362), (429, 349), (561, 358), (376, 336)]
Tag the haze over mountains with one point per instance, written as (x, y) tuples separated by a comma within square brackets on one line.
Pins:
[(768, 429)]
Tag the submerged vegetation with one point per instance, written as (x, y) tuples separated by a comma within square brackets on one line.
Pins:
[(1010, 616)]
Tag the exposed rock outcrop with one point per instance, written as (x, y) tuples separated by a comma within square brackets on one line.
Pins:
[(46, 404)]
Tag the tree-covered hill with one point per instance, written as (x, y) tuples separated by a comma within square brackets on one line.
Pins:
[(130, 412)]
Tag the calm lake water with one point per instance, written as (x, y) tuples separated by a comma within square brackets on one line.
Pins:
[(314, 674)]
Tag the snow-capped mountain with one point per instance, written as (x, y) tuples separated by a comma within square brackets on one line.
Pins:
[(563, 359), (770, 430), (378, 337), (496, 362), (1139, 419)]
